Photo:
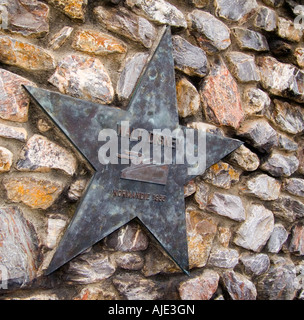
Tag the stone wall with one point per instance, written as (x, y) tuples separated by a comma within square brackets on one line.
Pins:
[(239, 74)]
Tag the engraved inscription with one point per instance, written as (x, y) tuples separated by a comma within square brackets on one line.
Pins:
[(139, 195)]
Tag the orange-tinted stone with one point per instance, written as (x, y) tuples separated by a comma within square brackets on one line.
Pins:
[(98, 43), (74, 9)]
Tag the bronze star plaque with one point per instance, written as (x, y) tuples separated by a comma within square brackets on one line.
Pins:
[(119, 193)]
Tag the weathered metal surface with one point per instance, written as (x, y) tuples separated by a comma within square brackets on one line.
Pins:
[(154, 197)]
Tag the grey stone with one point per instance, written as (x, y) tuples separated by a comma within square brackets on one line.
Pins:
[(287, 208), (202, 194), (55, 225), (10, 132), (255, 100), (130, 75), (266, 19), (243, 67), (280, 282), (76, 189), (91, 267), (254, 233), (127, 24), (159, 11), (288, 117), (245, 159), (136, 287), (41, 154), (211, 34), (259, 134), (255, 264), (189, 189), (227, 205), (60, 37), (188, 58), (250, 40), (238, 286), (18, 250), (127, 239), (221, 257), (235, 10), (277, 238), (262, 186), (201, 287), (222, 175), (287, 144), (281, 79), (279, 165), (294, 186)]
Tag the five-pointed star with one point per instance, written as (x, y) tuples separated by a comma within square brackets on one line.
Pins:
[(100, 212)]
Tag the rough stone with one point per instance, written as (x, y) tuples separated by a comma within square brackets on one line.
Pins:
[(255, 100), (235, 10), (206, 127), (55, 226), (211, 34), (130, 75), (274, 3), (136, 287), (281, 79), (222, 175), (287, 30), (202, 194), (226, 205), (60, 37), (287, 208), (25, 55), (221, 257), (296, 245), (287, 144), (254, 233), (97, 43), (294, 186), (159, 11), (299, 55), (200, 3), (201, 287), (100, 291), (84, 78), (262, 186), (157, 262), (43, 125), (238, 286), (89, 268), (255, 264), (27, 17), (201, 231), (127, 24), (288, 117), (14, 101), (245, 159), (35, 296), (300, 155), (224, 236), (10, 132), (127, 239), (129, 260), (250, 40), (279, 48), (76, 189), (221, 98), (18, 247), (6, 159), (279, 283), (35, 193), (279, 165), (189, 189), (277, 238), (41, 154), (188, 99), (188, 58), (266, 19), (74, 9), (243, 66), (259, 134)]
